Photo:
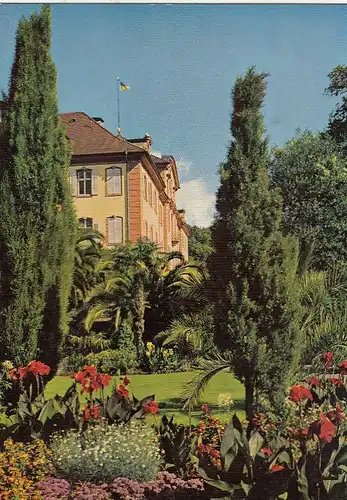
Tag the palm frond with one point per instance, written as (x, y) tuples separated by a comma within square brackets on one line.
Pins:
[(208, 368)]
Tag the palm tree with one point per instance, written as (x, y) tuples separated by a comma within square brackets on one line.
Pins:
[(141, 279)]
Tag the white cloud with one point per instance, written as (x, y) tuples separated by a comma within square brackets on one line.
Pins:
[(197, 201), (183, 166)]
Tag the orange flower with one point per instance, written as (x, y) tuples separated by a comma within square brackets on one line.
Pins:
[(276, 468), (266, 451)]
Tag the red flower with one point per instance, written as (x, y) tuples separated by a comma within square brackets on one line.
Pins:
[(276, 468), (205, 408), (22, 372), (300, 393), (122, 392), (327, 358), (334, 380), (314, 381), (80, 377), (89, 370), (151, 407), (327, 429), (343, 367), (91, 412), (104, 379), (38, 368), (126, 381), (13, 374), (266, 451)]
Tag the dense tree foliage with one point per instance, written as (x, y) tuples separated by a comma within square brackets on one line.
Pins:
[(200, 244), (311, 172), (253, 270), (338, 119), (37, 224)]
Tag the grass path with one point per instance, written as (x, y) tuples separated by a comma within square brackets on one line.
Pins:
[(168, 389)]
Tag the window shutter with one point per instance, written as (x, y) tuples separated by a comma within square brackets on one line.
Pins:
[(73, 183), (111, 234), (118, 224), (94, 182), (96, 225)]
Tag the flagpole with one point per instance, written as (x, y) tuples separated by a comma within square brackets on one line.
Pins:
[(118, 99)]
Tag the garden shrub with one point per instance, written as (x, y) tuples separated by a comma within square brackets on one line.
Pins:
[(22, 465), (105, 452), (113, 361), (71, 364)]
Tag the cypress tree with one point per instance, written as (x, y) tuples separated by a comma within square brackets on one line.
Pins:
[(253, 267), (37, 223)]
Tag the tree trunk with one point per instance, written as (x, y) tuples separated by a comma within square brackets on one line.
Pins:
[(249, 388), (138, 320)]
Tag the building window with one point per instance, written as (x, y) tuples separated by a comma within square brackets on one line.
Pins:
[(156, 237), (115, 230), (146, 189), (151, 233), (86, 222), (155, 202), (84, 178), (150, 194), (146, 230), (114, 181)]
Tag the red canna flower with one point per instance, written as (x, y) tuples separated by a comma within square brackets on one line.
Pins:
[(266, 451), (343, 367), (122, 392), (300, 393), (334, 380), (13, 374), (327, 358), (22, 372), (80, 377), (104, 379), (91, 412), (276, 468), (151, 407), (38, 368), (327, 429), (89, 370), (314, 381)]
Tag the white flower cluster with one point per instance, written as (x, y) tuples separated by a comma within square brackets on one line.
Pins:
[(105, 452)]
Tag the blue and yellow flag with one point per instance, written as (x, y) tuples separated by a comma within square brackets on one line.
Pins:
[(122, 86)]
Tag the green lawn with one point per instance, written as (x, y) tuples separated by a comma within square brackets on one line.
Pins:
[(168, 390)]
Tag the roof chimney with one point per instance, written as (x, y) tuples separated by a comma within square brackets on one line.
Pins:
[(98, 120)]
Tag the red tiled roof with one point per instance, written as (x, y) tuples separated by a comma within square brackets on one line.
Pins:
[(88, 137)]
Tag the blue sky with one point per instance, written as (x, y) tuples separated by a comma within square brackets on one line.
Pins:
[(181, 61)]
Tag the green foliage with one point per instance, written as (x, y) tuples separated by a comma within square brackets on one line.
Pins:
[(105, 452), (192, 334), (177, 445), (138, 298), (37, 226), (324, 323), (161, 360), (254, 286), (311, 172), (200, 244), (113, 361), (338, 119)]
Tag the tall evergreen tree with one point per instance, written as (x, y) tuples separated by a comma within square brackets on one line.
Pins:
[(37, 223), (253, 269)]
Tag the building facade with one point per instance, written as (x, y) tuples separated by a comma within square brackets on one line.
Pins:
[(121, 189)]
